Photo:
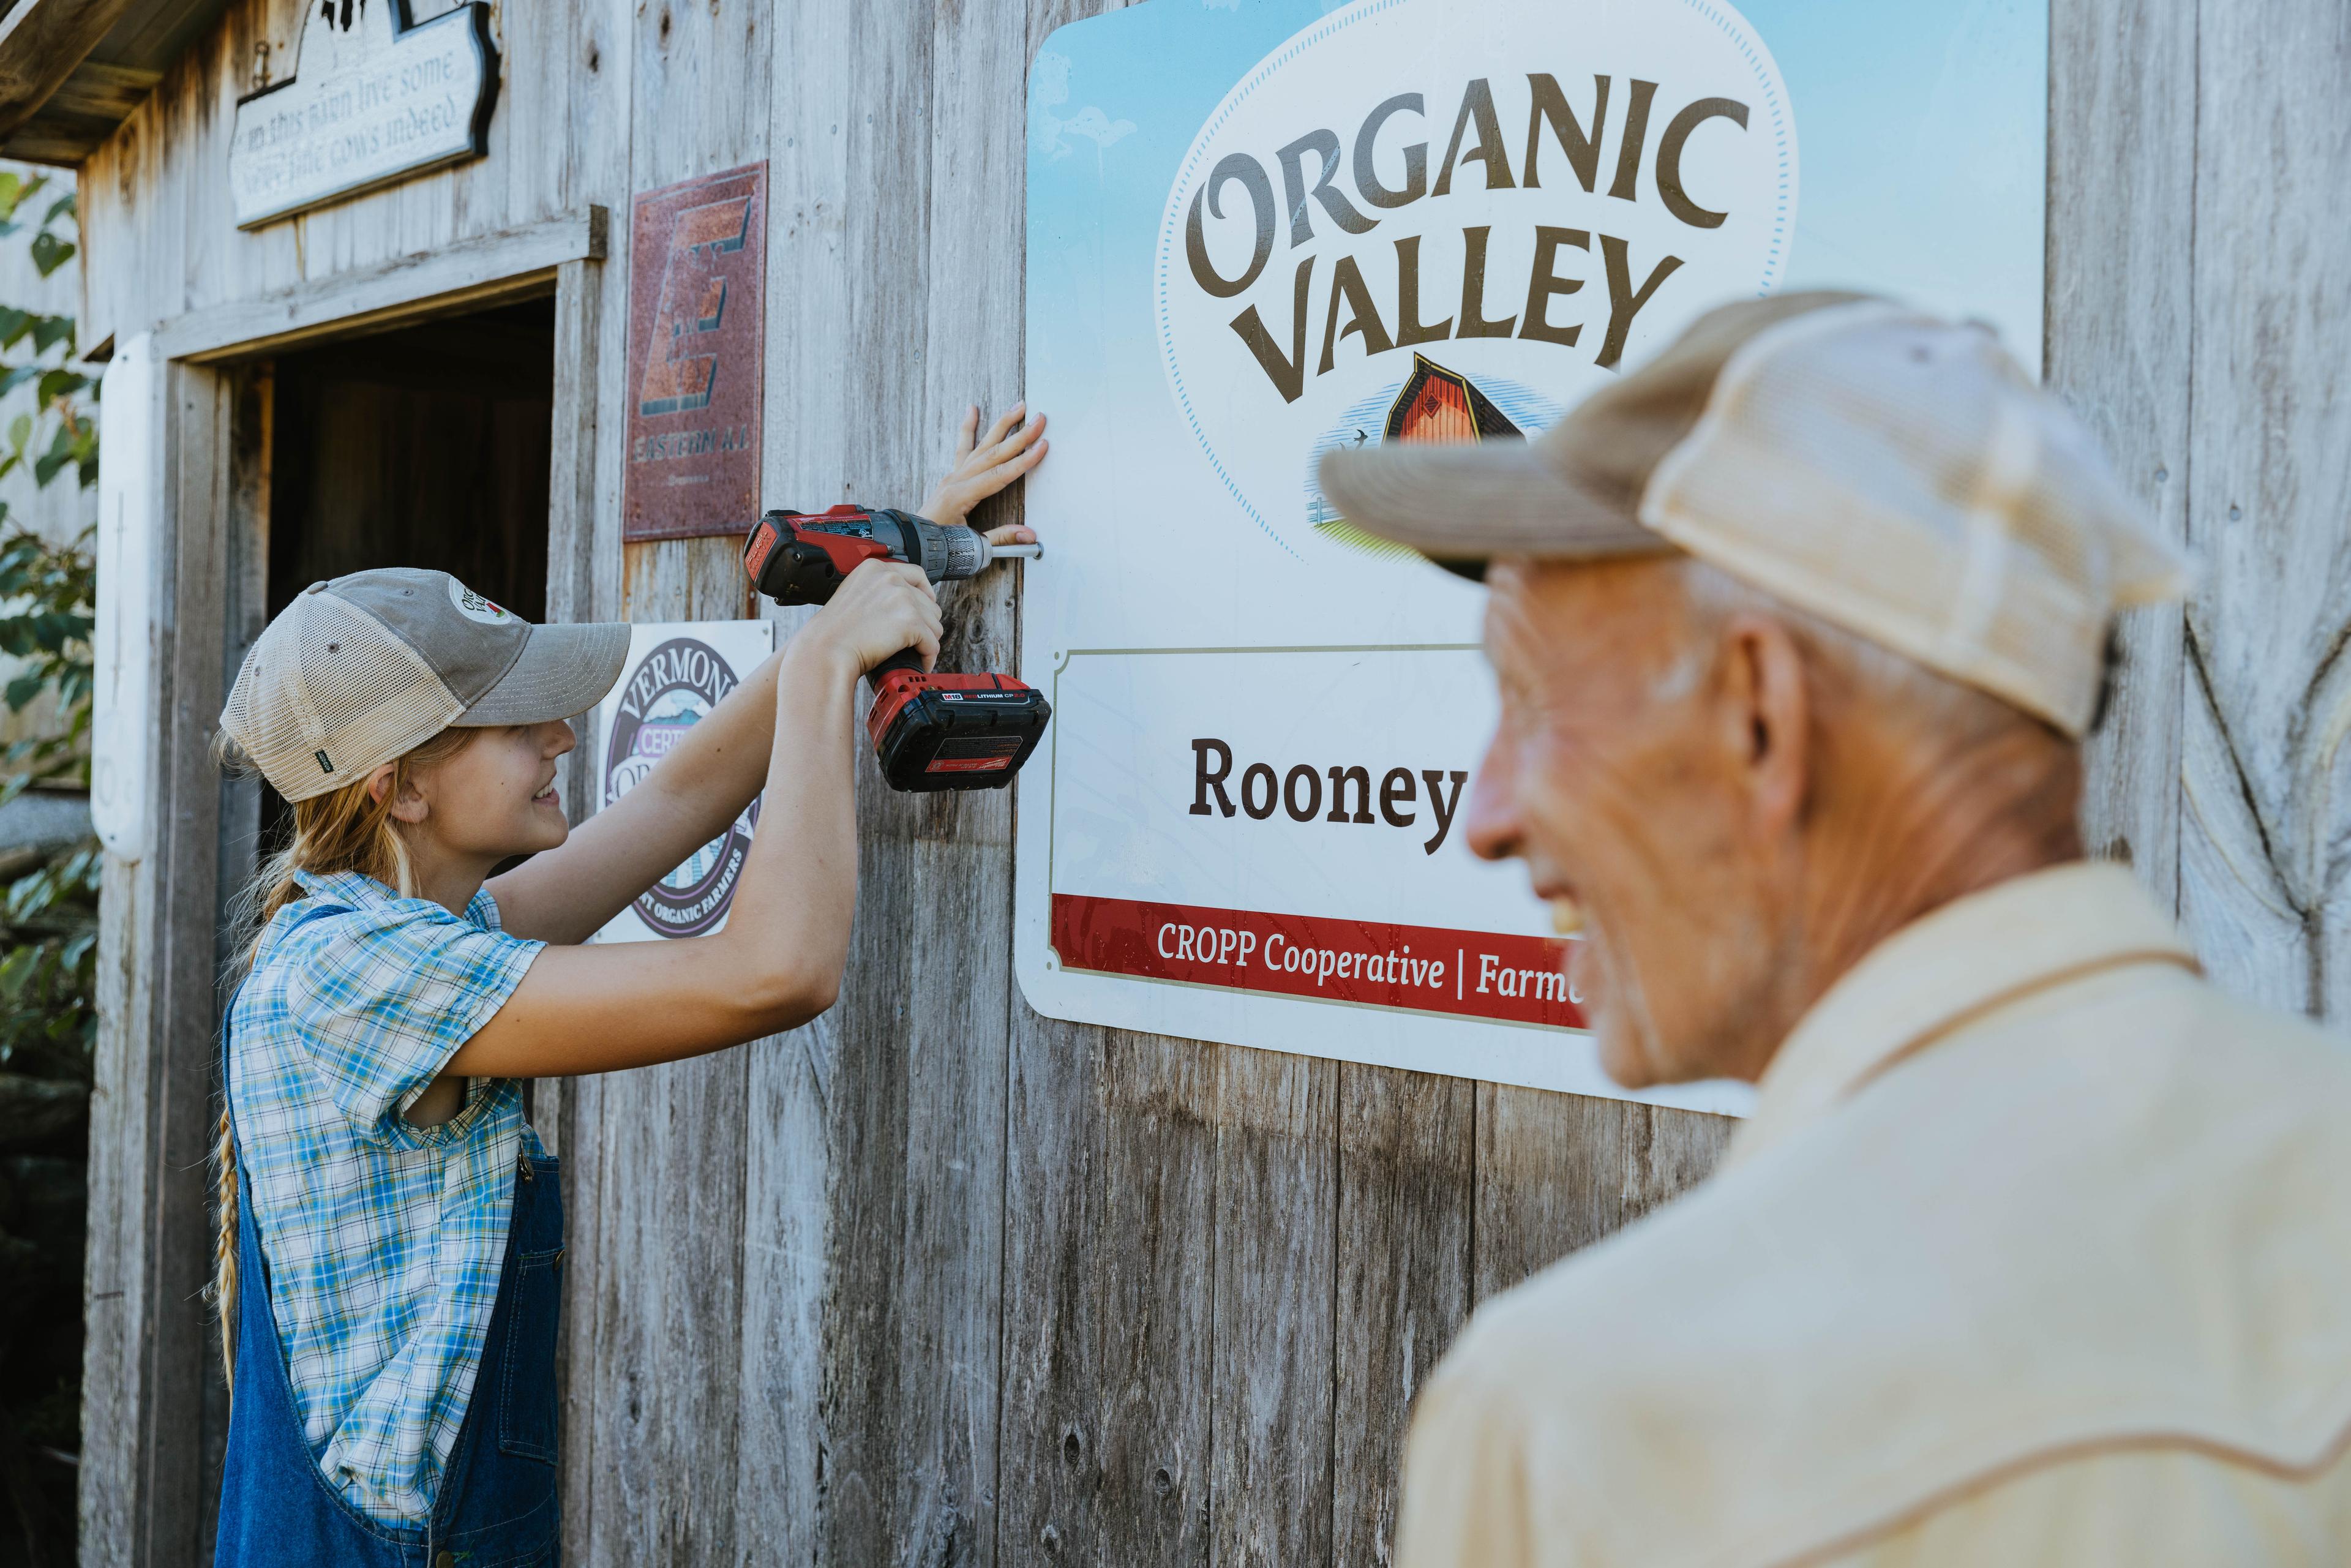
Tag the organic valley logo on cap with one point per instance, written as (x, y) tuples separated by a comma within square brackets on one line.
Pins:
[(1517, 201), (474, 606)]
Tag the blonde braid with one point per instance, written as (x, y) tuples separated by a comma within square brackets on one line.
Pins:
[(350, 828), (222, 1290)]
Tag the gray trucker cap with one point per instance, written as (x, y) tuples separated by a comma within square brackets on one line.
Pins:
[(363, 669)]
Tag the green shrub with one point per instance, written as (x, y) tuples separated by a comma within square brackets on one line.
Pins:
[(48, 922)]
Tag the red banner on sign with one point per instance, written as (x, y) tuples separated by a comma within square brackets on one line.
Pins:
[(697, 258), (1428, 969)]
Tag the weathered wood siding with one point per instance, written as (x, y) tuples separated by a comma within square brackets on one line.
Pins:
[(939, 1280), (154, 197), (2199, 314)]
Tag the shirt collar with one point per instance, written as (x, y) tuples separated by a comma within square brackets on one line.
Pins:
[(1946, 970), (361, 891)]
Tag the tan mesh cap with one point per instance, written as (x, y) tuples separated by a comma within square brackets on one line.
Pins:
[(360, 670), (1894, 473)]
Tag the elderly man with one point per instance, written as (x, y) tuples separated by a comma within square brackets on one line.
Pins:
[(2037, 1247)]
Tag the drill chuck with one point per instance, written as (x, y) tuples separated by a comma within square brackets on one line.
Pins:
[(798, 558)]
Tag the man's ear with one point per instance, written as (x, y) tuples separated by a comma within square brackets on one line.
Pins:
[(1768, 714)]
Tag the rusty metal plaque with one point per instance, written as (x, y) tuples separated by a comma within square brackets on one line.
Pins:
[(696, 356)]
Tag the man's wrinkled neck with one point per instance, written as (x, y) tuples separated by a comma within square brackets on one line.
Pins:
[(1894, 848)]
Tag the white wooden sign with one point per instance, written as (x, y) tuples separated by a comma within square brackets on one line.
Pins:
[(1259, 230), (677, 671), (371, 99), (122, 650)]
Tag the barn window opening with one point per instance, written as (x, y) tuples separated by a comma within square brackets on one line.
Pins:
[(425, 447), (429, 447)]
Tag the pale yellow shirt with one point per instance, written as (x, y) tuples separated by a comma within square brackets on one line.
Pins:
[(2036, 1250)]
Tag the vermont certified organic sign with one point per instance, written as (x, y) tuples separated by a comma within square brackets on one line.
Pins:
[(697, 258), (1259, 231), (371, 99), (674, 676)]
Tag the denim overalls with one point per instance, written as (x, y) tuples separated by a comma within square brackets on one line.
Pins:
[(497, 1505)]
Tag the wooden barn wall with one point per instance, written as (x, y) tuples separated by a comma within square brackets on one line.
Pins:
[(155, 200), (937, 1280)]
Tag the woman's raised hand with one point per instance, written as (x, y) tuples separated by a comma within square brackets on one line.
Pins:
[(983, 465), (881, 608)]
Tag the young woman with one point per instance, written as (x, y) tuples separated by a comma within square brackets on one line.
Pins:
[(390, 1230)]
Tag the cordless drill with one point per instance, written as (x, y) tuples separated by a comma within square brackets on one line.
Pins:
[(930, 731)]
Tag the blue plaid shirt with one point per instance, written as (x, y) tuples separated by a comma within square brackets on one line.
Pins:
[(384, 1240)]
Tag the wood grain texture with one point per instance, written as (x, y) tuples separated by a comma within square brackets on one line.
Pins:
[(2122, 174), (661, 1274), (41, 43), (660, 1258), (120, 1248), (591, 365), (665, 1279), (1408, 1170), (249, 403), (1548, 1180), (1150, 1294), (2266, 834), (783, 1472), (161, 240), (145, 1476), (470, 275), (910, 1335), (1270, 1484), (1061, 1187), (572, 537)]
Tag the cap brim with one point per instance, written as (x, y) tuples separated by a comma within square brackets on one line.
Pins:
[(564, 670), (1473, 502)]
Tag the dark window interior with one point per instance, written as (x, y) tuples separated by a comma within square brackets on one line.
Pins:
[(426, 447)]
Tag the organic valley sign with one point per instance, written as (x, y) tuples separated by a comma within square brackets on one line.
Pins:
[(371, 99), (1259, 230)]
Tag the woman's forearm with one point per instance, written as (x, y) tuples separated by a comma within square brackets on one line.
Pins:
[(778, 963), (790, 916), (568, 894)]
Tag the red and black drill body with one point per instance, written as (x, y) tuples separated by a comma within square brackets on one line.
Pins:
[(931, 731)]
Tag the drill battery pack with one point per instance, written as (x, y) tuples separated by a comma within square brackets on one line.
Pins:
[(935, 731), (931, 731)]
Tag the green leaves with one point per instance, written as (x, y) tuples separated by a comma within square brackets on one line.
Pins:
[(14, 190), (49, 963), (51, 253), (51, 250), (49, 914), (73, 439), (47, 331), (49, 970)]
